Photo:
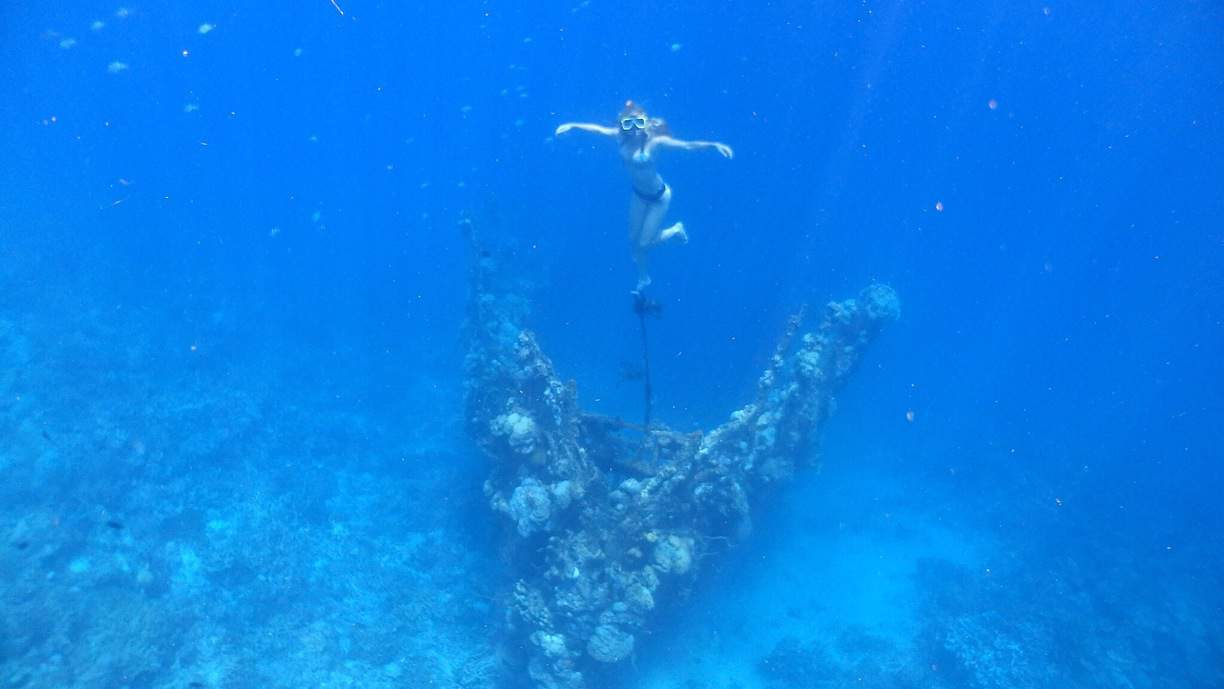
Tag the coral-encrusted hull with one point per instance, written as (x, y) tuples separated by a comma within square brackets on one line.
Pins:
[(600, 530)]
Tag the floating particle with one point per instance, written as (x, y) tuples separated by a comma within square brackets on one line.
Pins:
[(273, 232), (909, 415), (297, 52), (123, 12), (116, 67), (185, 52), (939, 206), (315, 216), (98, 25), (67, 43), (205, 28), (528, 39), (519, 122), (675, 47), (1046, 10), (465, 109), (992, 104), (191, 107)]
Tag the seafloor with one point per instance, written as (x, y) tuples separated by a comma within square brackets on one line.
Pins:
[(233, 515)]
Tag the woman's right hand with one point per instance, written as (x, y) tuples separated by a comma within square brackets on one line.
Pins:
[(563, 129)]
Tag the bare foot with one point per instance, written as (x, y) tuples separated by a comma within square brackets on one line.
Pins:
[(643, 283), (676, 230)]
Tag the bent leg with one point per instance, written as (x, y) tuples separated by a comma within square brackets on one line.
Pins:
[(676, 230), (645, 219), (654, 220)]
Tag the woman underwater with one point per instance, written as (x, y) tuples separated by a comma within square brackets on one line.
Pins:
[(639, 136)]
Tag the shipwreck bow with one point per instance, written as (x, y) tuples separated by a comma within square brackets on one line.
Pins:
[(599, 532)]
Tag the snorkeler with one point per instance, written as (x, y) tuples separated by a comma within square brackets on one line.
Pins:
[(639, 137)]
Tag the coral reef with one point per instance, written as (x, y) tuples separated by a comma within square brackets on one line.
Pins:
[(169, 525), (606, 526)]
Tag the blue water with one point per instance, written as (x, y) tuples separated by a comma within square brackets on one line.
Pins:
[(232, 291)]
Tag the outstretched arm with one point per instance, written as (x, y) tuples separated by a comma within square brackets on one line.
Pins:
[(593, 128), (656, 141)]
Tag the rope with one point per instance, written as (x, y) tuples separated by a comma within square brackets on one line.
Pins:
[(644, 307), (646, 370)]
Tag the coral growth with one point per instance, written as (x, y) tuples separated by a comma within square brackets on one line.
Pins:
[(605, 528)]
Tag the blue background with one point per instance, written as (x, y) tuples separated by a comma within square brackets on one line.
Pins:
[(293, 239)]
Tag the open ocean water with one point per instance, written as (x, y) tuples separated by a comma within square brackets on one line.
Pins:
[(234, 295)]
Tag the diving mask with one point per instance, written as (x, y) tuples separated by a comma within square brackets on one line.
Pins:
[(628, 124)]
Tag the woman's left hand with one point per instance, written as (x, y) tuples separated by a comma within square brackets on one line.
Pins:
[(725, 150)]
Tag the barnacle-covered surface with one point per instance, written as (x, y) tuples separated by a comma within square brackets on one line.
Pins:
[(605, 525)]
